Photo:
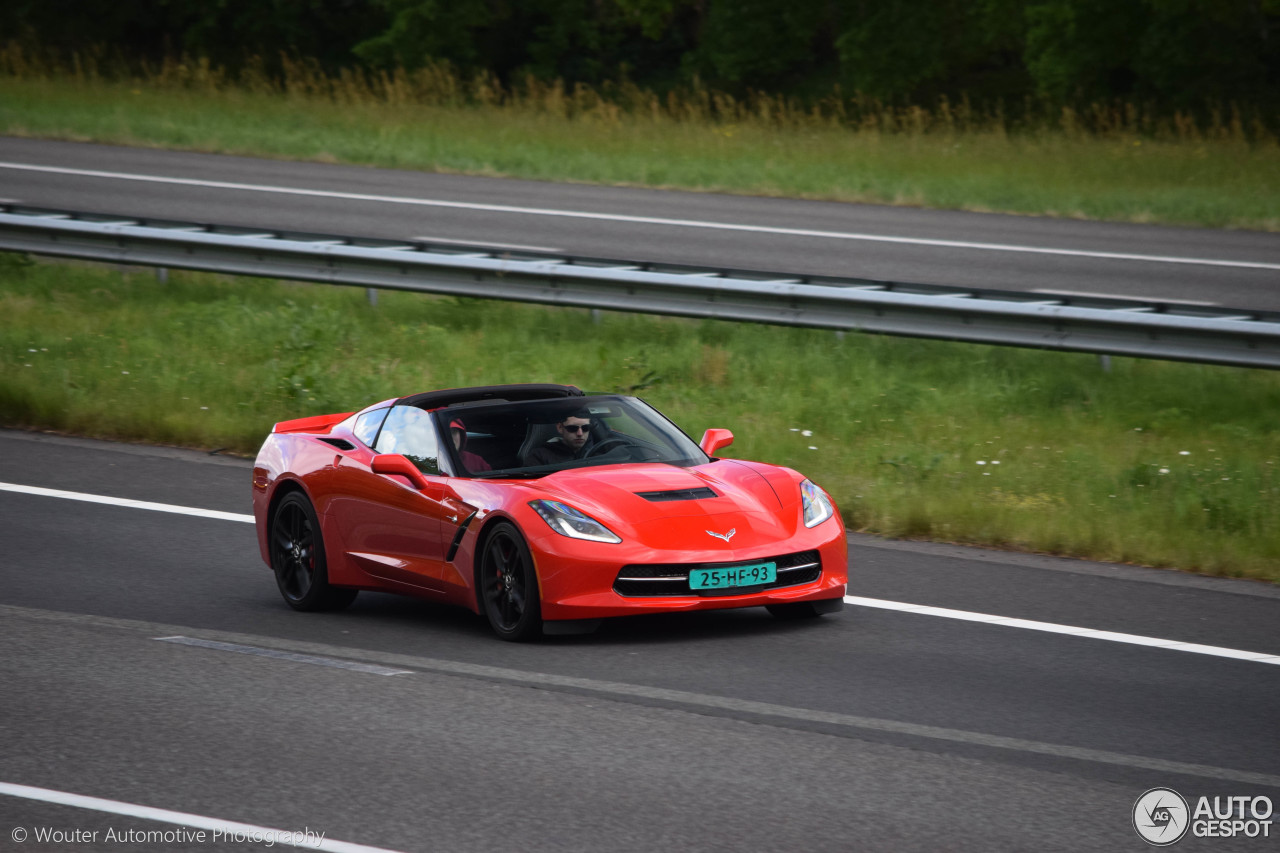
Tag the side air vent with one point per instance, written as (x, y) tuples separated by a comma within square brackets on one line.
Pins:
[(679, 495), (340, 443)]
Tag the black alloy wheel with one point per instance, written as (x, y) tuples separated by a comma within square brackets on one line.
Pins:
[(509, 585), (298, 559)]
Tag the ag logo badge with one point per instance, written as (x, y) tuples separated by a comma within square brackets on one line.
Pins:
[(1161, 817)]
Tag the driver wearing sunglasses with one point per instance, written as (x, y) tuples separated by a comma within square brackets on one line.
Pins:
[(574, 432)]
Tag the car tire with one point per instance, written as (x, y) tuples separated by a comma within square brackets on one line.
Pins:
[(298, 558), (509, 585)]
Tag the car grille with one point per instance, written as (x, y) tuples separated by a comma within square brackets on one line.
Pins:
[(647, 580)]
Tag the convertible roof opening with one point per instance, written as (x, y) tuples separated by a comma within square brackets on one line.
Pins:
[(524, 438), (455, 396)]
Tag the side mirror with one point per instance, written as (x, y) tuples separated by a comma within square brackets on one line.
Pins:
[(394, 463), (715, 439)]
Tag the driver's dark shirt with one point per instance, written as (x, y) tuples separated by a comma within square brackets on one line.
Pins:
[(550, 453)]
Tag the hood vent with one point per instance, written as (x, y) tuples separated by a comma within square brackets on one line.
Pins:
[(679, 495)]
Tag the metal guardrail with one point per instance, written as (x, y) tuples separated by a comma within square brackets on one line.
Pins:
[(1107, 326)]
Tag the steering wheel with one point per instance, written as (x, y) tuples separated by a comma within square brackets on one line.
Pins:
[(610, 443)]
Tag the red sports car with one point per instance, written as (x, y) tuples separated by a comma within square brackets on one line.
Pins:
[(542, 508)]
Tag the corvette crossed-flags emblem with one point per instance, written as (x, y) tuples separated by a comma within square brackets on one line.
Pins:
[(725, 536)]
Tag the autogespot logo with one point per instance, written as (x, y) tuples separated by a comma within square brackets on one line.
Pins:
[(1161, 817)]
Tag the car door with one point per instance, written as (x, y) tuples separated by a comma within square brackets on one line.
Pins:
[(389, 527)]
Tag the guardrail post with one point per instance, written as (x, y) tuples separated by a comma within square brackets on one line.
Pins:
[(372, 293)]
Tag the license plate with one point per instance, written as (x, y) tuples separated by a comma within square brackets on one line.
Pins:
[(731, 576)]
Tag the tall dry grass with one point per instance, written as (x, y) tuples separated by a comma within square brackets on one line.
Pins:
[(440, 85)]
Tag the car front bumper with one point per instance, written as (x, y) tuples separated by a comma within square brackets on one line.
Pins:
[(580, 580)]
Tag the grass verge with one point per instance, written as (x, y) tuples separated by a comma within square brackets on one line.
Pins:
[(1156, 463), (1136, 171)]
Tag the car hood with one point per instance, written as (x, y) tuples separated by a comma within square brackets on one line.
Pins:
[(664, 505)]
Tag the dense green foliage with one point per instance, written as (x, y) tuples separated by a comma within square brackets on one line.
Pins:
[(1153, 462), (1175, 54)]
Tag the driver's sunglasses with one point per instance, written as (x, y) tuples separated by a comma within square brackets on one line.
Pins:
[(576, 427)]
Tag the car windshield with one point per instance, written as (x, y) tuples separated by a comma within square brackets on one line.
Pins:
[(538, 437)]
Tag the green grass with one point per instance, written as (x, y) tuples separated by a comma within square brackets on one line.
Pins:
[(1156, 463), (1138, 171)]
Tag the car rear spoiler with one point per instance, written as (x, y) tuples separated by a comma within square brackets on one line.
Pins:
[(315, 424)]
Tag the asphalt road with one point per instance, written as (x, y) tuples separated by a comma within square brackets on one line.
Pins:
[(868, 730), (1227, 268)]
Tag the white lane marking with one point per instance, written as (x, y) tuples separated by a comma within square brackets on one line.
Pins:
[(336, 663), (230, 830), (1069, 630), (484, 244), (643, 220), (920, 609), (126, 502)]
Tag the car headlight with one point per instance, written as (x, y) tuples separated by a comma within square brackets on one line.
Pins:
[(570, 522), (817, 506)]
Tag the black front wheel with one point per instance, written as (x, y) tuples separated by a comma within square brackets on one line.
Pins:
[(297, 558), (509, 585)]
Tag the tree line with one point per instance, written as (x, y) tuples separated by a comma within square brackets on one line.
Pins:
[(1174, 54)]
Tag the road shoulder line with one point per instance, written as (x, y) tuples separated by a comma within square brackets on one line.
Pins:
[(230, 830), (1067, 630), (127, 503)]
